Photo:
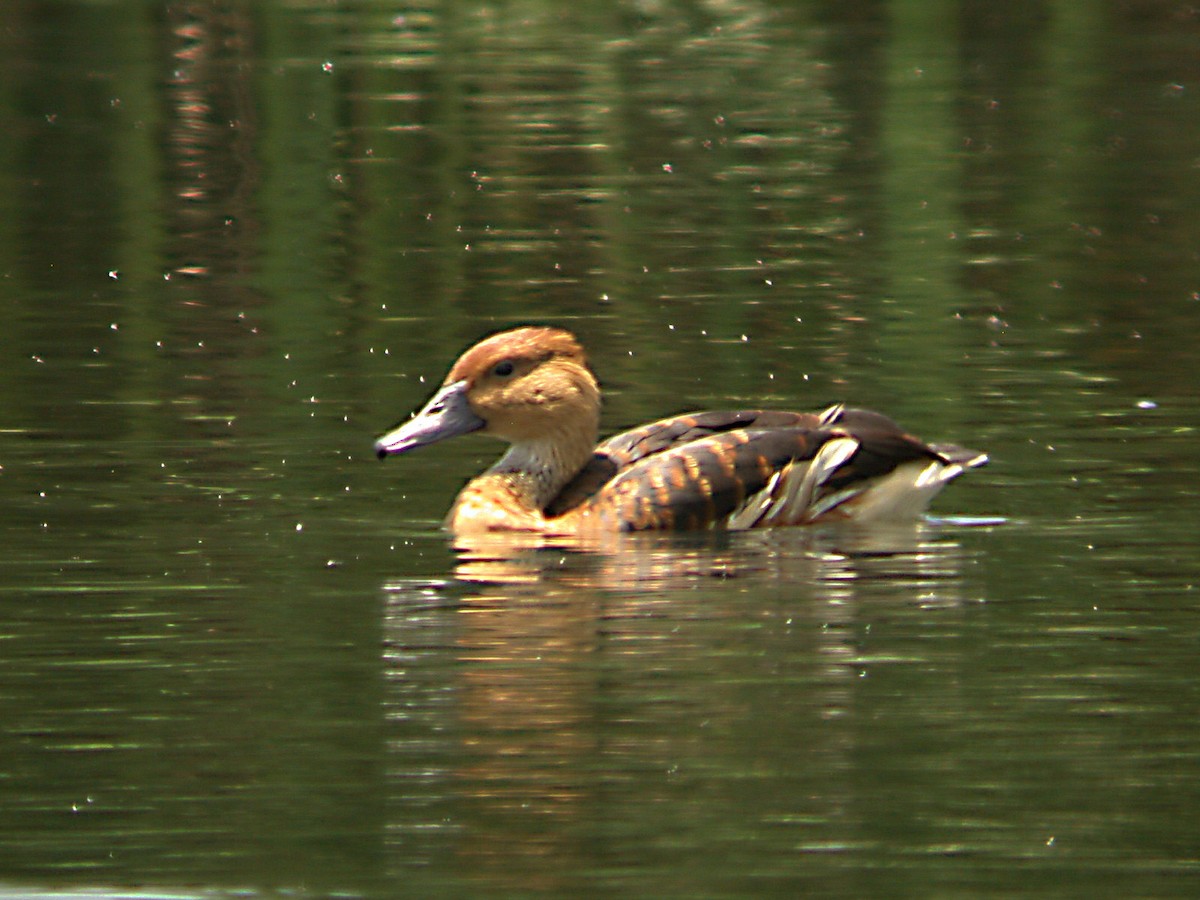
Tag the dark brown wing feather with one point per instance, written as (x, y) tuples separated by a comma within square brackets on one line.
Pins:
[(883, 445), (886, 444)]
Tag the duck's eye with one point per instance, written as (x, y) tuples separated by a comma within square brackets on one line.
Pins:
[(503, 369)]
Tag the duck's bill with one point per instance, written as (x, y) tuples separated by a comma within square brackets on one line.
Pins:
[(446, 415)]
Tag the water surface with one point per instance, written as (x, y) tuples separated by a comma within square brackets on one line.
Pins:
[(239, 657)]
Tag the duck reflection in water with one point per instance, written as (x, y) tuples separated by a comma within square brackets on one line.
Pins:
[(502, 565), (560, 678), (735, 470)]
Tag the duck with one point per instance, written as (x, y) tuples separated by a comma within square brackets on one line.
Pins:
[(533, 387)]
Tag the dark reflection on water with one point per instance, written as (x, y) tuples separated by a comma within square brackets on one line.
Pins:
[(238, 655)]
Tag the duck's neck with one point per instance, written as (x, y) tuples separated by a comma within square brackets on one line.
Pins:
[(534, 472)]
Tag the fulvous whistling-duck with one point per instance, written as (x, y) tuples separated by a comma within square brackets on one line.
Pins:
[(739, 469)]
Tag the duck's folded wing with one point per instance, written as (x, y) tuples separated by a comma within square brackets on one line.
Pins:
[(707, 481), (628, 448), (754, 468)]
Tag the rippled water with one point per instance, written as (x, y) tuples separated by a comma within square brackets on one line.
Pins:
[(239, 657)]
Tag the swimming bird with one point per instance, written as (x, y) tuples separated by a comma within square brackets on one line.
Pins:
[(736, 469)]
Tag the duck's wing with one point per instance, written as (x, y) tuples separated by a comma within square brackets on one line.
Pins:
[(621, 451), (753, 469)]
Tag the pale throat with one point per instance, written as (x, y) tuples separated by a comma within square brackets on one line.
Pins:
[(537, 470)]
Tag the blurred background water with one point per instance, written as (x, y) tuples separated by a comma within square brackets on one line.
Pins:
[(238, 656)]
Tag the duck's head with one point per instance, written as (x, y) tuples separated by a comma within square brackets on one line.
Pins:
[(527, 385)]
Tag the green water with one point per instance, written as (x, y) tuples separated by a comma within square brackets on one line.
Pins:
[(238, 656)]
